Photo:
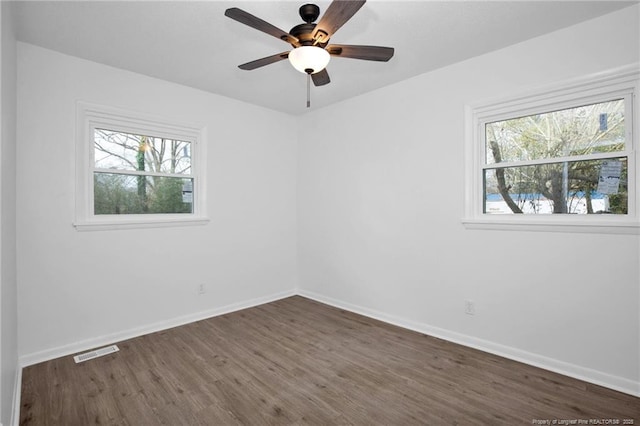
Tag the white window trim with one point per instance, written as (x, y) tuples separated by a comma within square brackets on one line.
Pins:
[(620, 81), (88, 117)]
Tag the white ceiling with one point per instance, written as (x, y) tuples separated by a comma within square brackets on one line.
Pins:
[(194, 44)]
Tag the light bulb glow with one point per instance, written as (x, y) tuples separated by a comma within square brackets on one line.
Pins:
[(312, 58)]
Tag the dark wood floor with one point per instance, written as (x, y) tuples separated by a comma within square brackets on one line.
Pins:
[(296, 361)]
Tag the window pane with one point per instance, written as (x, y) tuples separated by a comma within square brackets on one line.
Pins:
[(575, 187), (124, 151), (126, 194), (582, 130)]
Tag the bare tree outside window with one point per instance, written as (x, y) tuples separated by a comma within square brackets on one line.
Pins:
[(141, 174), (552, 162)]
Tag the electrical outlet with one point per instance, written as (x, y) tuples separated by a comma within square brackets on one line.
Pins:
[(469, 307), (201, 289)]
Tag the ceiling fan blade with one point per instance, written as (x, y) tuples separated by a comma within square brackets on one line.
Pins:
[(368, 53), (321, 78), (338, 12), (260, 25), (264, 61)]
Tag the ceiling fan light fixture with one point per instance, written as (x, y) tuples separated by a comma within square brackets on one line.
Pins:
[(309, 59)]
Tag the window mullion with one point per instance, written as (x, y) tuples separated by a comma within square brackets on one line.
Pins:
[(142, 173), (598, 156)]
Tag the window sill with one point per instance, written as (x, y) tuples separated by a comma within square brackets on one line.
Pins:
[(138, 223), (552, 224)]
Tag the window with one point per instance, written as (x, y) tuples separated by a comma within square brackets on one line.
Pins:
[(134, 171), (566, 161), (139, 174), (562, 158)]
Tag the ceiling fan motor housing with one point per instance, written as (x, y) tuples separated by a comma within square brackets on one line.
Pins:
[(303, 32)]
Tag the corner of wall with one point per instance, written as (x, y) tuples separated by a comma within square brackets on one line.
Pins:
[(9, 368)]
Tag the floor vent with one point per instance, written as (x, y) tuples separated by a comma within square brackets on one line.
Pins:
[(95, 354)]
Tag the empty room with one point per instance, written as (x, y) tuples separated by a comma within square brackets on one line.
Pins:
[(346, 212)]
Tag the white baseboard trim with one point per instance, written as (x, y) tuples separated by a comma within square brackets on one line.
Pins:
[(620, 384), (17, 392), (84, 345), (582, 373)]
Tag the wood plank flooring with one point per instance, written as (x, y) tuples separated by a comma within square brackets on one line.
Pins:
[(296, 361)]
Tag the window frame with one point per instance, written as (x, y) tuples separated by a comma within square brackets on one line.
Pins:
[(620, 83), (92, 116)]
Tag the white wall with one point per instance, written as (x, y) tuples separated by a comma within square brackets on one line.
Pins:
[(8, 275), (371, 240), (80, 288)]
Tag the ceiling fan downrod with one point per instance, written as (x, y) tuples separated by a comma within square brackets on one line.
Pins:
[(308, 89)]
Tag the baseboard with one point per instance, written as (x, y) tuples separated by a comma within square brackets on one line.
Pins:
[(109, 339), (581, 373), (17, 389)]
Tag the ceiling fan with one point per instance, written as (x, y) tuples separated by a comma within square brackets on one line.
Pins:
[(310, 41)]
